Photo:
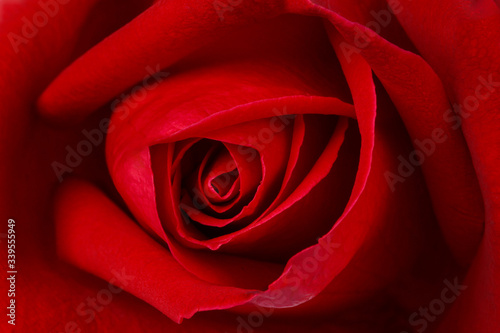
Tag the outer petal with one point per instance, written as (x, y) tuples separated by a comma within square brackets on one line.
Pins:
[(423, 105), (461, 51), (120, 250), (162, 35)]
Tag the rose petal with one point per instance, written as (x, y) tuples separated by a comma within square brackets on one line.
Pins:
[(80, 213), (447, 166), (463, 55), (179, 29)]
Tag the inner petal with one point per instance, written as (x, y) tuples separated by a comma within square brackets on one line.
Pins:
[(226, 186), (220, 179), (217, 181)]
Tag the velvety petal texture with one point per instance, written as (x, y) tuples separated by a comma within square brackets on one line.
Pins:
[(259, 166)]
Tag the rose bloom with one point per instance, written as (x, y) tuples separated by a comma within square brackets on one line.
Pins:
[(250, 166)]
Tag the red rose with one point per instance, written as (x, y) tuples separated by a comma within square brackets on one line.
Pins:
[(250, 166)]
